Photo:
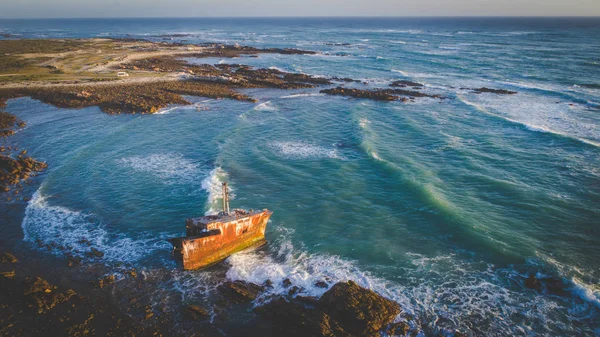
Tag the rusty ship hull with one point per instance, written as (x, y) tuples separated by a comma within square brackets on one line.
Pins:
[(211, 239)]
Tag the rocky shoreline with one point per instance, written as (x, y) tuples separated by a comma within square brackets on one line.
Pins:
[(15, 166), (30, 304)]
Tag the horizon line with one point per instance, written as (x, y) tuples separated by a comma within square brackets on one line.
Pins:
[(310, 17)]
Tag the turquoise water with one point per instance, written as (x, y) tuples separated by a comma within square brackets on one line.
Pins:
[(445, 206)]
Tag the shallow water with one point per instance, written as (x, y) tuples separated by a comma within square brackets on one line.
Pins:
[(445, 206)]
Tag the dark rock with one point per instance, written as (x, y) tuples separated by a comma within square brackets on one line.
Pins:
[(38, 285), (105, 281), (555, 286), (294, 290), (268, 284), (96, 252), (532, 282), (321, 284), (307, 300), (362, 311), (404, 84), (295, 320), (132, 272), (196, 311), (240, 291), (287, 282), (73, 261), (8, 258), (378, 94), (345, 310), (493, 91)]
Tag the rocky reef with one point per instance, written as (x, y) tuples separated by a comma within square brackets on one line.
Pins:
[(380, 94), (31, 304), (14, 170), (493, 91), (15, 165), (405, 83)]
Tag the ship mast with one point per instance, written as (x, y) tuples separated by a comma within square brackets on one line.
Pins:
[(225, 199)]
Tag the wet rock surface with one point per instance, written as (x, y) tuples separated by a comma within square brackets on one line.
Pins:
[(551, 285), (405, 83), (240, 291), (9, 123), (34, 306), (493, 91), (15, 170), (379, 94), (344, 310)]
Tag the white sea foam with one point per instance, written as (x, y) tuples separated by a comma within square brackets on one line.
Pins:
[(303, 95), (278, 69), (213, 184), (301, 268), (303, 150), (363, 122), (265, 106), (175, 108), (398, 42), (170, 168), (535, 115), (445, 286), (403, 73), (67, 231)]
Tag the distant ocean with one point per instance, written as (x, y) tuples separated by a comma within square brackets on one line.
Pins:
[(444, 206)]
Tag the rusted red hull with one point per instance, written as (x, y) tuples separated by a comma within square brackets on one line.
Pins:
[(220, 239)]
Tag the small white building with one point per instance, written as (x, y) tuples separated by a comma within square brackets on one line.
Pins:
[(122, 74)]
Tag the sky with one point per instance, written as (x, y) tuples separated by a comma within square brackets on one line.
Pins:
[(266, 8)]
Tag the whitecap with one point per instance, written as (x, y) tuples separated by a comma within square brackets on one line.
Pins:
[(213, 185), (265, 106), (303, 95), (278, 69)]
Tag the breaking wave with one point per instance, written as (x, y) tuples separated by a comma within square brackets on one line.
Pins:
[(64, 231), (434, 294), (266, 106), (531, 125), (213, 184)]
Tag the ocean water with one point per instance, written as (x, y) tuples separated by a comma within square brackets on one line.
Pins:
[(445, 206)]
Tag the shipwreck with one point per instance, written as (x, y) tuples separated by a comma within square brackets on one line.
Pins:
[(212, 238)]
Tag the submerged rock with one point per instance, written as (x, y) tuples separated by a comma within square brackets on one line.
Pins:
[(404, 84), (493, 91), (321, 284), (96, 252)]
